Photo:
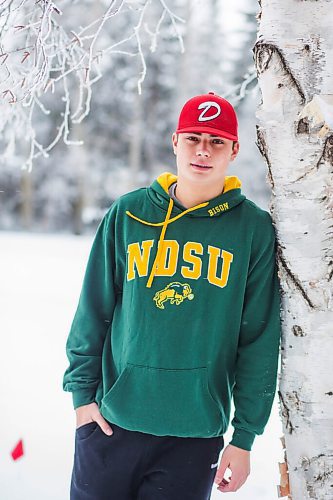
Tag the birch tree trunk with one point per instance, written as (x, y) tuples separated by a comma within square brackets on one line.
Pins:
[(293, 55)]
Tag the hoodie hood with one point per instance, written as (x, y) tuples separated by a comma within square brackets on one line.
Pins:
[(158, 192), (231, 196)]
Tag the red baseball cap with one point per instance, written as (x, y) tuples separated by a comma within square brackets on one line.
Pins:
[(210, 114)]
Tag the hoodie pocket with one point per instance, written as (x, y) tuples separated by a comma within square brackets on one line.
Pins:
[(164, 401)]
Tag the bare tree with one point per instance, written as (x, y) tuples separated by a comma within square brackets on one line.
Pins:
[(293, 55)]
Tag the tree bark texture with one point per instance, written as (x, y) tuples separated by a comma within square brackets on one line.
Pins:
[(294, 60)]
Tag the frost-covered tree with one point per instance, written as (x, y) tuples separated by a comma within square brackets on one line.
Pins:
[(294, 54)]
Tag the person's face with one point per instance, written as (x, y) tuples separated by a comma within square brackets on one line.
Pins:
[(203, 157)]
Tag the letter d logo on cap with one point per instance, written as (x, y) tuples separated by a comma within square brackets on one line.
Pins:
[(207, 105), (210, 114)]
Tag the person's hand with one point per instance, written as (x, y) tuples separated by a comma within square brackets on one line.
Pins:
[(238, 461), (90, 413)]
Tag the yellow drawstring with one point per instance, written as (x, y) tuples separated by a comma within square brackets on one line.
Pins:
[(164, 225), (170, 220), (165, 180), (159, 247)]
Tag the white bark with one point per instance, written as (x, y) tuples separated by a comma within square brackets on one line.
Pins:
[(294, 55)]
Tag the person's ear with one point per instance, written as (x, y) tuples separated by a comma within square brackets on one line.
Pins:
[(235, 151), (174, 142)]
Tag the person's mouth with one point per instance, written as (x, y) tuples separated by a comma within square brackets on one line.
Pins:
[(202, 166)]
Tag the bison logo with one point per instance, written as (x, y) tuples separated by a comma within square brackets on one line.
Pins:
[(175, 292)]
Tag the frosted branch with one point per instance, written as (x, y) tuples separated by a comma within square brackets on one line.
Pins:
[(239, 91), (40, 52), (174, 18)]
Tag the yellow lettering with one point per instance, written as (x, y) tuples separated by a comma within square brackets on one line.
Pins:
[(138, 256), (168, 259), (214, 254), (138, 259), (219, 208), (196, 262)]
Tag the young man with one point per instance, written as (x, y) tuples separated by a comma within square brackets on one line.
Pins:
[(179, 312)]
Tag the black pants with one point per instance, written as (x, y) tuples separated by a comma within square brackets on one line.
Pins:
[(131, 465)]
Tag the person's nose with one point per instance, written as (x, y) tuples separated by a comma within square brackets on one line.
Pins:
[(202, 151)]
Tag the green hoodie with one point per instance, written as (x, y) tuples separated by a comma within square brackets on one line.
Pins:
[(162, 340)]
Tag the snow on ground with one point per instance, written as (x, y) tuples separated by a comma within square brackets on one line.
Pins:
[(40, 281)]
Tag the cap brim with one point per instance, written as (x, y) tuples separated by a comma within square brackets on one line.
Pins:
[(208, 130)]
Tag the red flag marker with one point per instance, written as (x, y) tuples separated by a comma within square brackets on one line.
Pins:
[(18, 450)]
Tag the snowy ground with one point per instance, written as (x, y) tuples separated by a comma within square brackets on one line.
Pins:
[(41, 278)]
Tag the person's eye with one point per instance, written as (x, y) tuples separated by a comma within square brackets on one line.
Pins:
[(192, 138), (218, 141)]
